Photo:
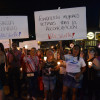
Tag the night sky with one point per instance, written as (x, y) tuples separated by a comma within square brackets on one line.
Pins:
[(22, 7)]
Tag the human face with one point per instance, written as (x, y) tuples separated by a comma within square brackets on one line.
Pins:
[(75, 51), (50, 55), (91, 53), (38, 53), (58, 56), (14, 46), (32, 52)]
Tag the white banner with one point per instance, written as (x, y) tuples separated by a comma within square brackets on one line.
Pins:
[(61, 24), (13, 27), (21, 44), (31, 44), (5, 43)]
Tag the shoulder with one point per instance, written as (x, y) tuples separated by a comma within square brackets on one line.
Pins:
[(95, 60), (81, 59), (67, 55), (1, 53)]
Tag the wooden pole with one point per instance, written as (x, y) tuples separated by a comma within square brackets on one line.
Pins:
[(9, 44)]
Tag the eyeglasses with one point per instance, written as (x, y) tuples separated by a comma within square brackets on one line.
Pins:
[(91, 51)]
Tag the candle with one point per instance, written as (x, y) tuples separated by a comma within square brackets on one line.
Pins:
[(58, 63), (45, 58), (90, 63), (21, 69)]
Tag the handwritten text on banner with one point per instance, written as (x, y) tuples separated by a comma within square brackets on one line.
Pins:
[(61, 24), (13, 27)]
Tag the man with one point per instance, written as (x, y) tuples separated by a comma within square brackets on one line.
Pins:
[(13, 59)]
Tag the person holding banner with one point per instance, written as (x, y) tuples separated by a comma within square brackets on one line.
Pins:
[(13, 65), (75, 66), (2, 69)]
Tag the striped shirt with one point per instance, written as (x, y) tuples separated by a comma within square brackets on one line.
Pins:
[(32, 63)]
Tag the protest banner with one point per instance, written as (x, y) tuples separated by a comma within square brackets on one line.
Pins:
[(61, 24), (31, 44), (5, 43), (13, 27)]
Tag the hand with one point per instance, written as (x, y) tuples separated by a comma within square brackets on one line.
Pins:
[(77, 76), (42, 64), (89, 66), (52, 69)]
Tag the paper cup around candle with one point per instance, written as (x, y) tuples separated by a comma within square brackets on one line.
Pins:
[(21, 69), (90, 63), (45, 58), (58, 63)]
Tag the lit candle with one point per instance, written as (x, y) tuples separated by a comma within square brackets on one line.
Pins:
[(21, 69), (90, 63), (58, 63), (26, 46), (45, 58)]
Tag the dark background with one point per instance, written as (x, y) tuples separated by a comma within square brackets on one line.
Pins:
[(22, 7)]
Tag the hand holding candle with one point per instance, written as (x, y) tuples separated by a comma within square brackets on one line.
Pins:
[(58, 63), (21, 69), (45, 58), (89, 64)]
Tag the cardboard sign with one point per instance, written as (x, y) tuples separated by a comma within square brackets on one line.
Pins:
[(21, 45), (13, 27), (5, 43), (30, 44), (61, 24)]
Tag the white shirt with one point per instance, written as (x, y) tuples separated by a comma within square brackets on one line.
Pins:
[(74, 65)]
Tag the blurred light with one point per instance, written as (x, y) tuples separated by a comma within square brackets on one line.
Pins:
[(39, 42), (58, 63), (21, 69), (90, 63), (18, 48), (90, 35), (32, 36), (99, 46), (26, 46), (56, 45), (71, 45), (81, 49), (45, 58), (52, 47)]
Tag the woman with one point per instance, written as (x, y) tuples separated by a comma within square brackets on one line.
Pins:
[(91, 78), (49, 68), (60, 75), (32, 63), (2, 69), (75, 66)]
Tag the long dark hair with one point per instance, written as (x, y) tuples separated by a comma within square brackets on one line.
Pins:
[(2, 47), (78, 56), (3, 50)]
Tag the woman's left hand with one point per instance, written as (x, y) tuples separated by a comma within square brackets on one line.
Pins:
[(77, 76)]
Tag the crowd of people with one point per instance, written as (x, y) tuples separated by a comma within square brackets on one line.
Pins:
[(52, 74)]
